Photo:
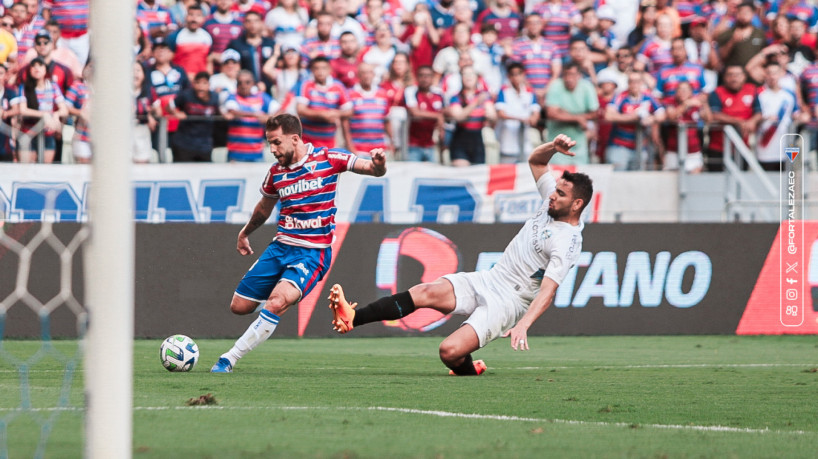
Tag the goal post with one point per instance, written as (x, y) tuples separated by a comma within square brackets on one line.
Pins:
[(110, 255)]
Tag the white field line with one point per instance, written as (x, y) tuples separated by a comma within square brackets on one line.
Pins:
[(559, 367), (442, 414)]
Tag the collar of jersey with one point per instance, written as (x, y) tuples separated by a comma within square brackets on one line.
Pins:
[(310, 149)]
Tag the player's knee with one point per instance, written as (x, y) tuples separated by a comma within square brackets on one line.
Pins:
[(448, 353), (276, 304), (241, 306)]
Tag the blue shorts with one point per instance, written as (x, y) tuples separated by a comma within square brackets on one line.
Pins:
[(300, 266)]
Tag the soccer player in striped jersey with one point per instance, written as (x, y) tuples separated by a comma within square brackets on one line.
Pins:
[(304, 181), (508, 298)]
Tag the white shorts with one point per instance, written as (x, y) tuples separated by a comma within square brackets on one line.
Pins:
[(82, 150), (693, 161), (492, 307)]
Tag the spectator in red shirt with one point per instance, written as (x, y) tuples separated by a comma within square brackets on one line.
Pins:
[(735, 102), (689, 110), (345, 66), (192, 44), (425, 106), (422, 36)]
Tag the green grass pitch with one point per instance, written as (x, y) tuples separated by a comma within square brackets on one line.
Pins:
[(714, 396)]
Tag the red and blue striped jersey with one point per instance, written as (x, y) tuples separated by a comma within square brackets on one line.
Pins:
[(222, 32), (624, 134), (655, 53), (71, 15), (25, 36), (688, 9), (332, 96), (151, 17), (259, 6), (329, 49), (77, 96), (48, 100), (809, 81), (671, 76), (506, 26), (245, 136), (369, 111), (803, 10), (536, 56), (558, 22), (477, 117), (306, 191), (692, 117)]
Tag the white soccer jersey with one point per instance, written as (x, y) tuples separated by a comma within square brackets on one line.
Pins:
[(543, 247)]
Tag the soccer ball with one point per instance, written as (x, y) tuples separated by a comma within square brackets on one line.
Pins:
[(179, 353)]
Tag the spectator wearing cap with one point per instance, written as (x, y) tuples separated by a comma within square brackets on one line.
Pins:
[(155, 19), (57, 72), (517, 110), (345, 66), (680, 70), (196, 108), (287, 74), (624, 13), (631, 111), (367, 125), (224, 82), (740, 43), (606, 22), (167, 80), (247, 111), (559, 16), (734, 102), (321, 103), (538, 56), (571, 103), (254, 48), (61, 53), (323, 43), (71, 17), (802, 9), (287, 22), (8, 44), (192, 44), (699, 46), (224, 26)]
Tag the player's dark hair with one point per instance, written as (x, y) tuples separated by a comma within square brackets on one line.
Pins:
[(289, 124), (487, 27), (201, 76), (583, 187), (514, 65), (30, 84), (346, 32), (572, 64), (253, 13), (425, 67), (318, 59), (196, 7)]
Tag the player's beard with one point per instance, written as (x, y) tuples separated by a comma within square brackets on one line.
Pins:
[(557, 214), (287, 158)]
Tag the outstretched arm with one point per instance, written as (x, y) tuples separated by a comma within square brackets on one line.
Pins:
[(375, 167), (260, 215), (538, 161), (519, 333)]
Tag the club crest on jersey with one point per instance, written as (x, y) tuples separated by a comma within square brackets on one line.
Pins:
[(310, 166), (546, 234)]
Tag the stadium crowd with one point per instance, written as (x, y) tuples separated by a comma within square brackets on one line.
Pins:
[(425, 78)]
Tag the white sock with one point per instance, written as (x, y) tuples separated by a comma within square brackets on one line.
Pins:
[(257, 333)]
